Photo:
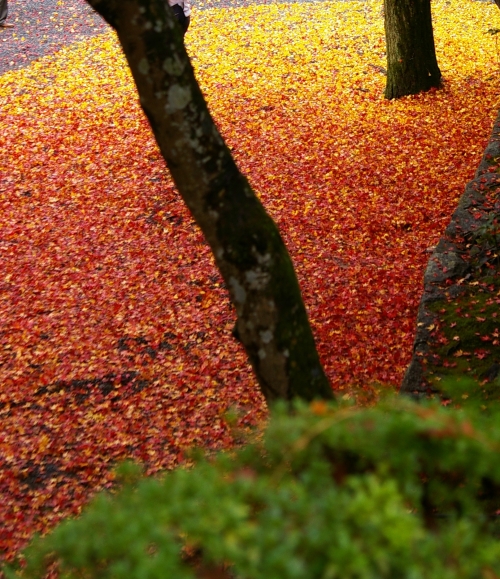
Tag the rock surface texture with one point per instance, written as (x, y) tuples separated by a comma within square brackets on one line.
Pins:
[(461, 276)]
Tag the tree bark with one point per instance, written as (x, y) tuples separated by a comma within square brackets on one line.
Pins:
[(411, 56), (271, 322)]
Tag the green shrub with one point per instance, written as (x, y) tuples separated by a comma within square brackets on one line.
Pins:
[(397, 491)]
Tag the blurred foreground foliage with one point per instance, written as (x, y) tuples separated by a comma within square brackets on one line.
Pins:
[(399, 490)]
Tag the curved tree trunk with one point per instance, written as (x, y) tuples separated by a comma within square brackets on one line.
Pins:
[(272, 322), (411, 57)]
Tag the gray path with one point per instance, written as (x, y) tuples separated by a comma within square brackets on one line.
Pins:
[(43, 27)]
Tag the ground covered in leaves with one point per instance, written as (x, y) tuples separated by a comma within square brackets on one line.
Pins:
[(115, 338)]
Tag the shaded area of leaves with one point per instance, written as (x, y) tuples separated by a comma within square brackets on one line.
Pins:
[(104, 274)]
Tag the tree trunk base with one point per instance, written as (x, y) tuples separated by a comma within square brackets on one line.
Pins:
[(411, 57)]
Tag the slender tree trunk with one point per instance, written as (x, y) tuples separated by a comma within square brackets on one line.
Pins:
[(272, 322), (411, 57)]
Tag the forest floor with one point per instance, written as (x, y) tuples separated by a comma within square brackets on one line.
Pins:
[(115, 336)]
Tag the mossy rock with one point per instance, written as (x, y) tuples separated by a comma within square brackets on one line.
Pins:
[(464, 366)]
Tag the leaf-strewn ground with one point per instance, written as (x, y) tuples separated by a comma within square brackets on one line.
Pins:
[(115, 327)]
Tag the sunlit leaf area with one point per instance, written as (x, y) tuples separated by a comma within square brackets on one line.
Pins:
[(115, 336)]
